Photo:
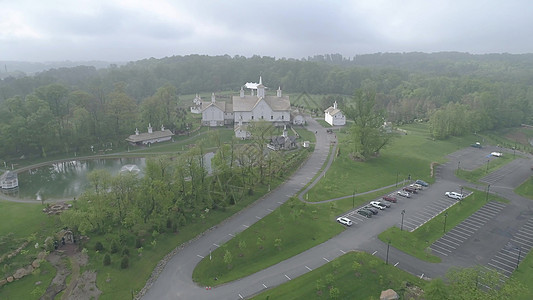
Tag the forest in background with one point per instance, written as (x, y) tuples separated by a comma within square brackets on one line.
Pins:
[(67, 109)]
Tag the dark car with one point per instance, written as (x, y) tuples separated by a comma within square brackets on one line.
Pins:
[(365, 213), (410, 190), (372, 209), (390, 198), (422, 183)]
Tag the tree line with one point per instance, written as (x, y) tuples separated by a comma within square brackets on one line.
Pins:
[(65, 110)]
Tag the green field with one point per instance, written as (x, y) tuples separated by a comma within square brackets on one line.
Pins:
[(526, 189), (370, 276), (410, 154)]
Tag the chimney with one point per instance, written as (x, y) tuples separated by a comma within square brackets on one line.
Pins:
[(242, 92), (279, 92), (149, 128), (213, 97), (136, 131), (162, 127), (335, 104)]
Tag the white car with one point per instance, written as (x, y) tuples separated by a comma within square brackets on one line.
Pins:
[(416, 186), (385, 203), (345, 221), (404, 194), (454, 195), (377, 204), (496, 154)]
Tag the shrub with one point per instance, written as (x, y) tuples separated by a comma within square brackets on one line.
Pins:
[(114, 246), (138, 243), (125, 263), (107, 259), (98, 246), (126, 252)]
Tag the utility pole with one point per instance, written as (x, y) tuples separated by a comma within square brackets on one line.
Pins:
[(403, 213), (445, 217), (388, 246), (488, 188)]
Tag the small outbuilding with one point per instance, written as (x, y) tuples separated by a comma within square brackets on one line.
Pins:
[(334, 116), (150, 137)]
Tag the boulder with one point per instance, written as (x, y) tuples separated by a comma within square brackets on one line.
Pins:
[(23, 272), (389, 294), (36, 263), (41, 255), (3, 282), (10, 279)]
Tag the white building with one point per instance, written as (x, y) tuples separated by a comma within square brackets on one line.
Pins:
[(196, 107), (150, 137), (246, 108), (9, 180), (333, 116)]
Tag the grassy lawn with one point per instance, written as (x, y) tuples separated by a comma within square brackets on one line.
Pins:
[(323, 123), (411, 154), (259, 240), (367, 281), (416, 243), (526, 189), (475, 175)]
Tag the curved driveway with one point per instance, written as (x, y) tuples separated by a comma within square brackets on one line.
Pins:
[(175, 280)]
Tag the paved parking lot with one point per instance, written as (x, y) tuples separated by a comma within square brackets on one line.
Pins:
[(412, 221), (454, 238), (503, 172), (508, 258)]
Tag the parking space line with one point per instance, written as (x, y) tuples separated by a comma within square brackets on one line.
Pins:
[(240, 296), (454, 238), (504, 266), (308, 268), (480, 218), (200, 256), (514, 253), (491, 211), (463, 228), (467, 221), (271, 210), (265, 286), (396, 264), (504, 259), (325, 259), (373, 253), (231, 234), (409, 221), (455, 233), (492, 265), (448, 241), (440, 247), (287, 276), (216, 245), (430, 215), (442, 253), (522, 243), (527, 227), (524, 236), (511, 257), (417, 217)]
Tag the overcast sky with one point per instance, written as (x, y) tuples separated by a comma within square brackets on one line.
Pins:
[(125, 30)]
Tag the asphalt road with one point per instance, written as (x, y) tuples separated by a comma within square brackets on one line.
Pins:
[(483, 247)]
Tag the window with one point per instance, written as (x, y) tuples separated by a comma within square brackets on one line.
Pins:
[(282, 117), (271, 117), (252, 117)]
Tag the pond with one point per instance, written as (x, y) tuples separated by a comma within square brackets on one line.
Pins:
[(66, 180)]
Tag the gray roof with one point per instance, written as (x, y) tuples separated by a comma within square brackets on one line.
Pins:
[(220, 104), (247, 103), (145, 136), (332, 111)]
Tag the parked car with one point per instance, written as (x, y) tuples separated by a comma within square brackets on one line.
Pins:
[(476, 145), (454, 195), (376, 204), (496, 154), (345, 221), (410, 190), (385, 203), (390, 198), (372, 209), (416, 186), (365, 213), (422, 183), (404, 194)]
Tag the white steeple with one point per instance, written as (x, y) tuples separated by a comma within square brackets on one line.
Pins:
[(335, 104), (136, 131), (260, 88), (242, 92), (213, 97), (285, 133), (162, 127), (149, 128), (279, 92)]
